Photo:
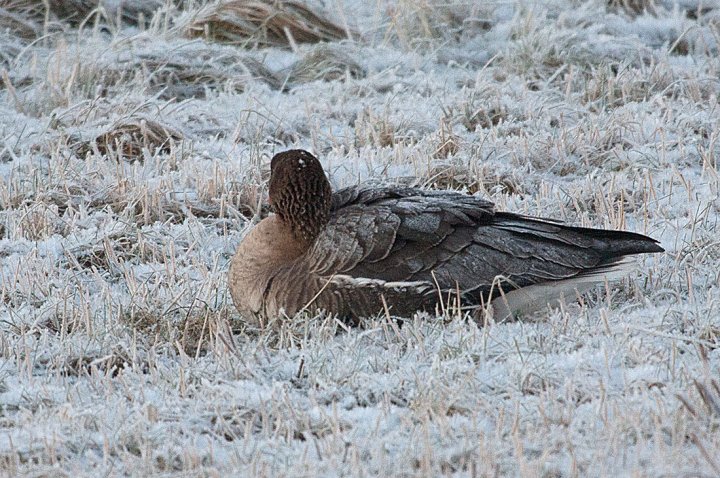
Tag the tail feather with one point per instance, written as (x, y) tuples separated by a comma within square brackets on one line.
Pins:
[(614, 244)]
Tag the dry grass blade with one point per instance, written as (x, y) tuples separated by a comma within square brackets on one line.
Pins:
[(709, 398), (710, 395), (703, 449), (262, 23)]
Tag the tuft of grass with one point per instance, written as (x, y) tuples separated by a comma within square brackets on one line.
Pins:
[(325, 62), (21, 18), (481, 109), (188, 69), (183, 75), (447, 142), (261, 23), (47, 15), (39, 222), (452, 174), (378, 129), (190, 329), (416, 23), (128, 138), (540, 51), (632, 8)]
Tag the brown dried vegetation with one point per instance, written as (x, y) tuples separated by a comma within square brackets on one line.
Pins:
[(32, 19), (327, 63), (129, 137), (264, 23), (632, 8)]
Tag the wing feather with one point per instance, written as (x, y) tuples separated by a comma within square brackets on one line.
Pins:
[(401, 243)]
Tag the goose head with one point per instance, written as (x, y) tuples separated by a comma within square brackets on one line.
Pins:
[(300, 194)]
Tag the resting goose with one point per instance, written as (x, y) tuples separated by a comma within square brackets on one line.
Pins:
[(361, 250)]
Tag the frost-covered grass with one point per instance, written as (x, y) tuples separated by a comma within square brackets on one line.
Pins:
[(134, 153)]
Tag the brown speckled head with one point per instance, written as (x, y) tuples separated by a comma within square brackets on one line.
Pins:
[(300, 193)]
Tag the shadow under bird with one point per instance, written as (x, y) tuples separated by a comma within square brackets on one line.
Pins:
[(361, 249)]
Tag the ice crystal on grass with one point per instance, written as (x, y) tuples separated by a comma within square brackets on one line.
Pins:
[(135, 139)]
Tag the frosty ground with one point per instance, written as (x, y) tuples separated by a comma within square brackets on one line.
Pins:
[(134, 155)]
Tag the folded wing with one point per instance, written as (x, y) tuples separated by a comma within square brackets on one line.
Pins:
[(410, 246)]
